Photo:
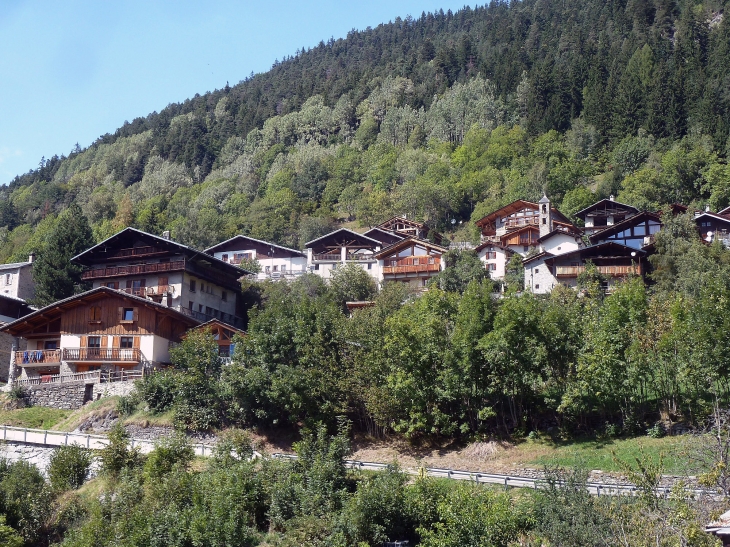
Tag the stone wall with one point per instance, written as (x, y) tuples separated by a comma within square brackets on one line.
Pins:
[(69, 396), (113, 388)]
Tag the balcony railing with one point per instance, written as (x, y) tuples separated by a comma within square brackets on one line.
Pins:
[(115, 355), (523, 221), (157, 290), (613, 271), (96, 377), (355, 257), (327, 256), (137, 269), (419, 264), (30, 358)]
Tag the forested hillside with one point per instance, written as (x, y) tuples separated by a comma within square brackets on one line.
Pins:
[(441, 117)]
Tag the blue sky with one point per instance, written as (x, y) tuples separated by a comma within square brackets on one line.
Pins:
[(71, 71)]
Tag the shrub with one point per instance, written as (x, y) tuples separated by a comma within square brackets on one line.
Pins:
[(25, 499), (127, 404), (170, 453), (158, 390), (69, 467), (16, 393), (656, 431), (118, 455)]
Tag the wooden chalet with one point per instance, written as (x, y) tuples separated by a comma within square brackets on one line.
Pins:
[(100, 331), (521, 226), (223, 335), (603, 214), (637, 231), (713, 226), (411, 260), (277, 261), (615, 261), (168, 273), (402, 225), (340, 247)]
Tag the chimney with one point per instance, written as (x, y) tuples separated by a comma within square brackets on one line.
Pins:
[(166, 234), (610, 197), (707, 208), (31, 258)]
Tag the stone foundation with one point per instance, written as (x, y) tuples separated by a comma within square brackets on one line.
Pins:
[(67, 396), (113, 388)]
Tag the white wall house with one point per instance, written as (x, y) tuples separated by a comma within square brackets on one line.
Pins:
[(276, 261)]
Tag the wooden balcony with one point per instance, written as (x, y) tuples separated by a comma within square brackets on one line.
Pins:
[(157, 290), (611, 271), (95, 376), (137, 252), (111, 355), (522, 221), (328, 257), (37, 357), (138, 269), (416, 264)]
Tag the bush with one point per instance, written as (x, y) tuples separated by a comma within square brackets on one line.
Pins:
[(656, 431), (69, 467), (25, 499), (127, 404), (117, 455), (16, 393), (170, 453), (158, 390)]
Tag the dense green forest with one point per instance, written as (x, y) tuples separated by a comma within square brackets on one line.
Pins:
[(441, 117)]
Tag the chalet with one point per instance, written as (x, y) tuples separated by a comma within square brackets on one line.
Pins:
[(636, 231), (406, 227), (603, 214), (411, 260), (522, 226), (495, 257), (179, 277), (545, 270), (384, 236), (101, 331), (713, 226), (16, 280), (325, 254), (223, 334), (277, 262)]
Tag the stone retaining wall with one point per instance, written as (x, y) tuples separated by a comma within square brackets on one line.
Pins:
[(113, 388), (67, 396)]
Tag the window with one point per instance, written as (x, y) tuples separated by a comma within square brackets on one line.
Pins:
[(316, 266), (224, 296), (276, 268), (537, 270), (94, 342), (50, 344), (202, 287), (192, 285), (8, 279), (208, 310), (537, 286), (491, 267), (113, 285), (127, 315), (200, 308), (126, 342), (544, 221), (283, 267), (224, 258), (267, 269), (370, 265), (526, 248), (94, 314), (191, 305)]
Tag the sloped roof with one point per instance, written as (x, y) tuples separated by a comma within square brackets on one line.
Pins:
[(532, 258), (574, 234), (211, 250), (379, 232), (19, 326), (407, 242), (605, 203), (595, 251), (507, 210), (218, 323), (131, 234), (14, 265), (343, 231), (626, 223)]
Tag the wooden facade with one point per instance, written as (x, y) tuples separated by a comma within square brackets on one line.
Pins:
[(223, 335)]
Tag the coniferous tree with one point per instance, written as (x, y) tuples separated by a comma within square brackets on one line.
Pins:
[(56, 277)]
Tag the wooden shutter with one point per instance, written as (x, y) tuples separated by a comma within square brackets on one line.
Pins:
[(162, 281), (135, 342), (115, 341), (102, 343), (83, 341), (129, 283), (136, 314), (120, 314)]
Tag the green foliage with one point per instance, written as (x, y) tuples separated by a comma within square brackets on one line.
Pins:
[(462, 267), (158, 390), (117, 455), (473, 516), (69, 467), (127, 404), (25, 500), (8, 536), (352, 283), (170, 454), (54, 274)]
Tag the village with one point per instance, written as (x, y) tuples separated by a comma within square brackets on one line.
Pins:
[(148, 291)]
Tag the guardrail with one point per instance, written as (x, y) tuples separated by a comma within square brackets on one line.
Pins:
[(97, 442), (47, 437)]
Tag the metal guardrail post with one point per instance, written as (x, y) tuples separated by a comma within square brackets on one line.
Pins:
[(45, 437), (5, 432), (88, 441), (25, 435), (505, 483)]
